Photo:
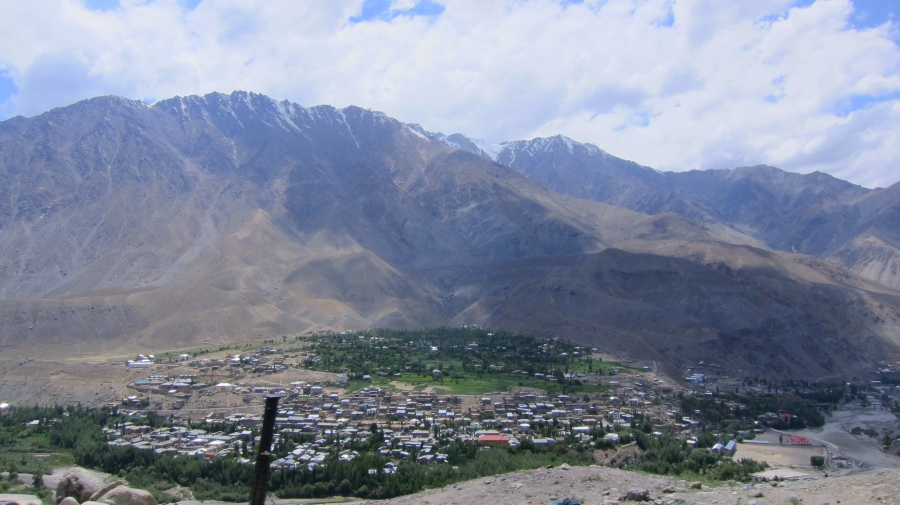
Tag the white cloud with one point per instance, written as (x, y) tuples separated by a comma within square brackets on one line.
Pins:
[(671, 84)]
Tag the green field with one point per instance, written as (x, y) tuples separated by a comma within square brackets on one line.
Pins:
[(28, 462), (29, 450), (456, 361), (474, 385)]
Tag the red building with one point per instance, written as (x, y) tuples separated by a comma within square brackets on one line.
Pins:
[(493, 440), (798, 440)]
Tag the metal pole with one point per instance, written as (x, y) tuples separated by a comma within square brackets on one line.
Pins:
[(264, 458)]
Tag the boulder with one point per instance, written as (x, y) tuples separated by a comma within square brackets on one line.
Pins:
[(124, 495), (79, 484), (696, 485), (68, 500), (637, 495), (105, 489), (668, 489)]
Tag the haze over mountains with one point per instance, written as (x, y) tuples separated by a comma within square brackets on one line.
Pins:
[(215, 218)]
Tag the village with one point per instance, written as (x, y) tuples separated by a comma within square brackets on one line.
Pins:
[(333, 413), (450, 403)]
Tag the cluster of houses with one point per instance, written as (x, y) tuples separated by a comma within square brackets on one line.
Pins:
[(266, 360), (176, 440), (413, 424), (142, 361)]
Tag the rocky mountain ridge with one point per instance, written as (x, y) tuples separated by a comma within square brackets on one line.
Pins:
[(217, 218), (816, 214)]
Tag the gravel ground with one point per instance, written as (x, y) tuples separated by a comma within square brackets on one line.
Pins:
[(595, 485)]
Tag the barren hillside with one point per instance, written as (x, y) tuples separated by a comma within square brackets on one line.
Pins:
[(814, 214), (210, 219)]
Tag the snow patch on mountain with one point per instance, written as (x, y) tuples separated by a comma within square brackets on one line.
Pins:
[(418, 132), (491, 149)]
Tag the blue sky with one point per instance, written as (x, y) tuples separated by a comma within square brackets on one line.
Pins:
[(674, 84), (871, 13), (385, 10), (106, 5), (7, 87)]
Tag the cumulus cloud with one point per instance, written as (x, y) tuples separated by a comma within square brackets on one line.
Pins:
[(673, 84)]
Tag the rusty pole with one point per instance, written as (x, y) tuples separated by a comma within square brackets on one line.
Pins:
[(264, 458)]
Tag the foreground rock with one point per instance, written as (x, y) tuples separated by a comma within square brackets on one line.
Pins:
[(595, 485), (80, 484), (124, 495), (637, 495), (53, 479), (105, 489)]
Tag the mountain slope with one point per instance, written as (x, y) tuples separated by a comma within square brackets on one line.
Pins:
[(216, 218), (814, 214), (865, 238)]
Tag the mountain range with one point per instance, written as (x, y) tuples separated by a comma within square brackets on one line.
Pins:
[(199, 220), (853, 227)]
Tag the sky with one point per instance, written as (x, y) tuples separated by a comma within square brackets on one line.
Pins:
[(803, 85)]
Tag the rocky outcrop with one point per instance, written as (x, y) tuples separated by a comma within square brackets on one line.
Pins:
[(83, 486), (105, 489), (79, 484), (124, 495)]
